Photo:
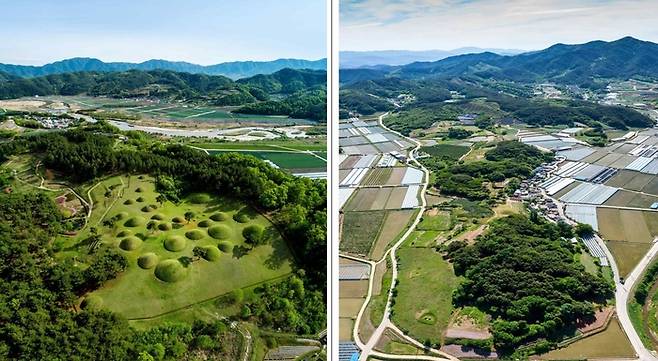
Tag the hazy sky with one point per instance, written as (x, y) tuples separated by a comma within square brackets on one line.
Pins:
[(199, 31), (511, 24)]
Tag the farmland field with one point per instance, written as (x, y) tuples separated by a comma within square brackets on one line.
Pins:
[(394, 224), (627, 254), (286, 160), (360, 229), (446, 150), (173, 111), (611, 343), (623, 225), (158, 240)]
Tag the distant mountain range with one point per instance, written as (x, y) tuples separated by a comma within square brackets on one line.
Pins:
[(233, 70), (359, 59), (580, 64), (621, 58)]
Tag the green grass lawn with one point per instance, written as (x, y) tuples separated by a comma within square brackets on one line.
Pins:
[(439, 222), (423, 238), (138, 292), (424, 294)]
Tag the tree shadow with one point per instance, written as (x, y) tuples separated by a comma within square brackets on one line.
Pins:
[(279, 255), (240, 251), (185, 260)]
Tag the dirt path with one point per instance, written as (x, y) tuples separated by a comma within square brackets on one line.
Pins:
[(112, 204)]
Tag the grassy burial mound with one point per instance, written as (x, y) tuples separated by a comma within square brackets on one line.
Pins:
[(225, 246), (241, 218), (149, 208), (148, 260), (92, 302), (121, 215), (205, 223), (135, 222), (219, 217), (199, 198), (128, 202), (165, 226), (140, 199), (195, 234), (158, 279), (170, 270), (220, 231), (158, 217), (211, 253), (130, 243), (174, 243), (124, 233)]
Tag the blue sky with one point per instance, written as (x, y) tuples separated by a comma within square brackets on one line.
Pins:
[(510, 24), (199, 31)]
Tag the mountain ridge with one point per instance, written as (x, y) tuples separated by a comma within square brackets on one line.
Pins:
[(563, 63), (233, 70), (374, 58)]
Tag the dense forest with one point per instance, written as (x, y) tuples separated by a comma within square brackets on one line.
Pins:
[(498, 106), (509, 159), (290, 92), (38, 293), (524, 272)]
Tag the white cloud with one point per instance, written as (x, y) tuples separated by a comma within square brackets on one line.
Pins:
[(520, 24)]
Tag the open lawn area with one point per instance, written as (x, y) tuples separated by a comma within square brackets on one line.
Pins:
[(423, 304), (164, 272)]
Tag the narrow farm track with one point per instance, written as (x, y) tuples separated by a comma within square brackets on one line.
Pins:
[(367, 348)]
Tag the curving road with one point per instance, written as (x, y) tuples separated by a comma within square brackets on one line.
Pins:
[(622, 290), (367, 348)]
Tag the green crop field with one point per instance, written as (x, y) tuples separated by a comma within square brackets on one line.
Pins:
[(286, 160), (360, 230), (314, 145), (164, 274), (446, 150)]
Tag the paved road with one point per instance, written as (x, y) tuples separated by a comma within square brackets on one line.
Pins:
[(622, 295), (367, 348), (622, 291)]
